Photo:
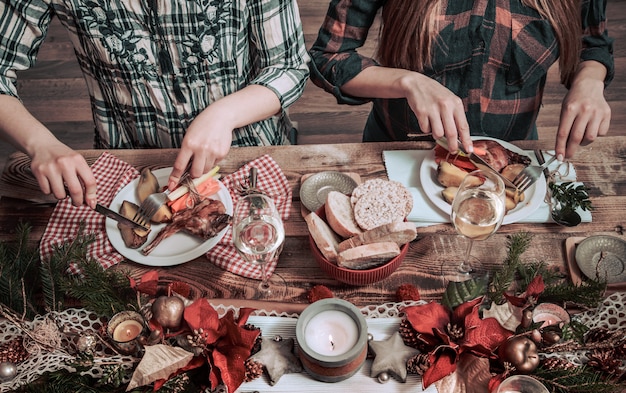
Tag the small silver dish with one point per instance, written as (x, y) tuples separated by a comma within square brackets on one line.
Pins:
[(602, 257), (315, 188)]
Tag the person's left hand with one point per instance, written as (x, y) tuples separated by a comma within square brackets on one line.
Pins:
[(585, 115), (206, 142)]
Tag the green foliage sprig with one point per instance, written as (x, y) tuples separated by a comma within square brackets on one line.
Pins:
[(571, 195)]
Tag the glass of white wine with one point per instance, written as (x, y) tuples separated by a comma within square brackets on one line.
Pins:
[(258, 235), (478, 210)]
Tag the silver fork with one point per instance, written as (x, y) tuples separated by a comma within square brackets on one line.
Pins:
[(153, 203), (529, 175)]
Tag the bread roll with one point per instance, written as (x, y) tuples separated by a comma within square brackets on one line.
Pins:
[(368, 255), (340, 215), (398, 232), (326, 240)]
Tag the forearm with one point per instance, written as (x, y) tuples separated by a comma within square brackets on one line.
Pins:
[(20, 128), (246, 106), (382, 82)]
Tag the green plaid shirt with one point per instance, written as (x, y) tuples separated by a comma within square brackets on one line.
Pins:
[(152, 66), (493, 54)]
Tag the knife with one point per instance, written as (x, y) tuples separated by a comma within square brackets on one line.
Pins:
[(478, 161), (105, 211)]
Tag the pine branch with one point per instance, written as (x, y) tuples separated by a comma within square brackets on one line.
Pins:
[(578, 380), (505, 277)]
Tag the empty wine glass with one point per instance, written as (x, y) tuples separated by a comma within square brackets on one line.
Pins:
[(258, 235), (478, 210)]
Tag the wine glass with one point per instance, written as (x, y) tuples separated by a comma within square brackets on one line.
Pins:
[(258, 235), (478, 210)]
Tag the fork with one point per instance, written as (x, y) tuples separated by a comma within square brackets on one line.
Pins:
[(153, 203), (529, 175)]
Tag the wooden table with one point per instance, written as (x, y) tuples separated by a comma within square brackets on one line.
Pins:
[(600, 166)]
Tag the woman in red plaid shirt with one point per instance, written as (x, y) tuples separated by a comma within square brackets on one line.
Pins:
[(455, 68)]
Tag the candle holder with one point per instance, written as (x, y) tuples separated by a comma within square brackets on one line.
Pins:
[(332, 339), (124, 330), (521, 384), (550, 314)]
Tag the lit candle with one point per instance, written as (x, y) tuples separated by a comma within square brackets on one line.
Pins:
[(331, 333), (550, 314), (127, 330)]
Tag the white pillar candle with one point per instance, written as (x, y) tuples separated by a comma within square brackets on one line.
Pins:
[(127, 330), (331, 333)]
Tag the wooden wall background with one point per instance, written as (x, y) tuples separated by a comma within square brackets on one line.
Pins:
[(54, 91)]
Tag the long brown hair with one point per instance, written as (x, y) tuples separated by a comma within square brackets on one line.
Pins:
[(409, 28)]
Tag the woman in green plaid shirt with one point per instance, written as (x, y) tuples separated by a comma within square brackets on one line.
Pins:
[(455, 67), (202, 75)]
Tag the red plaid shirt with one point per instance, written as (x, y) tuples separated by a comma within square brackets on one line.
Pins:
[(501, 100)]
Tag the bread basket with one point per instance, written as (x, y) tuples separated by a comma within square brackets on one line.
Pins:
[(351, 276)]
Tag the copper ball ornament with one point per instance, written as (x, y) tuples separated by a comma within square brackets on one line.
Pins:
[(521, 352)]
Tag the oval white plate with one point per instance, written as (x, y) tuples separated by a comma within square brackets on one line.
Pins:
[(176, 249), (533, 197), (602, 257)]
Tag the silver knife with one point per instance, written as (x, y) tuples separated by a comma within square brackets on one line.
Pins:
[(478, 161), (105, 211)]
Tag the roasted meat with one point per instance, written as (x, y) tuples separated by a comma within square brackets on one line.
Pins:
[(498, 156), (205, 220)]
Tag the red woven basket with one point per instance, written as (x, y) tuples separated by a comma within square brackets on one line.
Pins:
[(351, 276)]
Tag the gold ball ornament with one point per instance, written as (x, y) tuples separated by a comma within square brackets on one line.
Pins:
[(521, 352), (168, 311), (383, 377), (8, 371)]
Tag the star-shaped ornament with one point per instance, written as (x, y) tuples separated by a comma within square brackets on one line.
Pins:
[(391, 356), (277, 358)]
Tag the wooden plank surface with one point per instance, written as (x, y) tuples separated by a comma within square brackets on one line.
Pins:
[(430, 260)]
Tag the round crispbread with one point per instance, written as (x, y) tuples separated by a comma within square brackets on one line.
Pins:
[(378, 202)]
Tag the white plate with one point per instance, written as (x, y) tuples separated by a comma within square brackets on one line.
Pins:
[(533, 197), (176, 249)]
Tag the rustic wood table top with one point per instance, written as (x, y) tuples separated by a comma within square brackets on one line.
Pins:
[(431, 258)]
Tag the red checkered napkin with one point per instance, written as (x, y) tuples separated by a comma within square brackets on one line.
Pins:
[(111, 174), (273, 182)]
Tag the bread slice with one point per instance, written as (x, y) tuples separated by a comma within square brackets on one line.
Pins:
[(368, 255), (400, 232), (378, 202), (340, 215), (326, 240)]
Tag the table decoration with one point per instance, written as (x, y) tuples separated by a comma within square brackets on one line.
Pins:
[(332, 339), (124, 329)]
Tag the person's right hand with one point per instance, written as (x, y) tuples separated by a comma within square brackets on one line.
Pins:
[(59, 170), (438, 110)]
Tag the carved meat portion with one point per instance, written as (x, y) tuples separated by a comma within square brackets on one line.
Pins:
[(498, 156), (205, 220)]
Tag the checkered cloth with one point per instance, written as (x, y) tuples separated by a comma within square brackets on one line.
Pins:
[(111, 174), (273, 182)]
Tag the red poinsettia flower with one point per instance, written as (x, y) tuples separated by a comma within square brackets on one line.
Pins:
[(228, 343), (530, 295), (432, 321)]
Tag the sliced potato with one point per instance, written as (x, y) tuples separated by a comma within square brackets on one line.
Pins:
[(449, 175), (512, 170), (449, 193), (133, 238), (510, 203), (147, 184), (164, 214)]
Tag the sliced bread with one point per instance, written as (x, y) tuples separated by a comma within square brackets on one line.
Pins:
[(326, 240), (368, 255), (340, 215), (400, 232)]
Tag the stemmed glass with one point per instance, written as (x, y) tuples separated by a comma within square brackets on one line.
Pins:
[(478, 210), (258, 235)]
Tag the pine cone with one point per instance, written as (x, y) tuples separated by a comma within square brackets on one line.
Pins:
[(253, 370), (13, 351), (418, 364), (555, 363), (411, 337), (597, 335), (604, 361)]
